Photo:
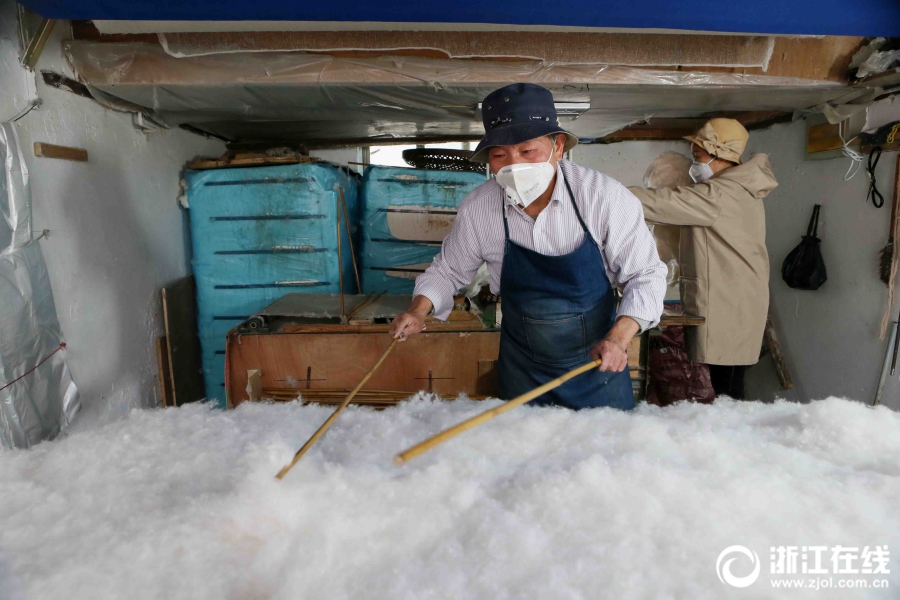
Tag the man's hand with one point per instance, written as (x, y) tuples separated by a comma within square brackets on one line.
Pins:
[(412, 321), (613, 349), (405, 325)]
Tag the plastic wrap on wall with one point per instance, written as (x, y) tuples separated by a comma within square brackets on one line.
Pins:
[(258, 234), (669, 169), (406, 215), (38, 398), (321, 98)]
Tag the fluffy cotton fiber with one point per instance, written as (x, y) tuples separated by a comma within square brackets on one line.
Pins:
[(538, 503)]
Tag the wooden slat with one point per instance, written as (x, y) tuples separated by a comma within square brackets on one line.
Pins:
[(685, 320), (676, 128), (46, 150), (258, 160), (165, 378), (180, 317), (458, 321), (640, 134), (770, 342)]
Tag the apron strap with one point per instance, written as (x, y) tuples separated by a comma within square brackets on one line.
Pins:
[(575, 205), (503, 212)]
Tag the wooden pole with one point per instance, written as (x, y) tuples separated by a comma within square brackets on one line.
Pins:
[(490, 414), (334, 416), (350, 239), (770, 341)]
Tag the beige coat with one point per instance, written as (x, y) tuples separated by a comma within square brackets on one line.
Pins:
[(724, 261)]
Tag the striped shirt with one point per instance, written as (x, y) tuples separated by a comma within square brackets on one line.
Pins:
[(613, 215)]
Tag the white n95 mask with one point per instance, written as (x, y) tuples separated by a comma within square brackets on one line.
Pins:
[(701, 171), (525, 182)]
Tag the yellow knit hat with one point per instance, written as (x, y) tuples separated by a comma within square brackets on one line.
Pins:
[(723, 138)]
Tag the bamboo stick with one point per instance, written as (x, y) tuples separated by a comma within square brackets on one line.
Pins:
[(350, 239), (369, 299), (490, 414), (334, 415)]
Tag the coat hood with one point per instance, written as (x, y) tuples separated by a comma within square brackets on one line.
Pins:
[(755, 176)]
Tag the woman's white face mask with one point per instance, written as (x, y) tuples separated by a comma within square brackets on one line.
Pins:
[(701, 171), (525, 182)]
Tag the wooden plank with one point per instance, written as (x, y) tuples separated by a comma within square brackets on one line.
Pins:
[(684, 320), (770, 341), (46, 150), (637, 134), (676, 128), (753, 118), (200, 164), (823, 137), (180, 317), (821, 58), (341, 360), (162, 365), (450, 325), (459, 323), (867, 148)]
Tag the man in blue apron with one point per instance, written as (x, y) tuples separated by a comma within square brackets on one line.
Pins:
[(555, 236)]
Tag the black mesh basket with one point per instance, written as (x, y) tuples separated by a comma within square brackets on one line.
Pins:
[(440, 159)]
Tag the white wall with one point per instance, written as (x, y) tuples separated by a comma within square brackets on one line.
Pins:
[(117, 232), (624, 161), (830, 336)]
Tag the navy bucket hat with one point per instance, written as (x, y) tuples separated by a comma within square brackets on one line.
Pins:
[(517, 113)]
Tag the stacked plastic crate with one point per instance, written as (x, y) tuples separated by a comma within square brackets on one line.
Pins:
[(406, 215), (258, 234)]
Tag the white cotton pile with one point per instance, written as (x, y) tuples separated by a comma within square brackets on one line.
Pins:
[(538, 503)]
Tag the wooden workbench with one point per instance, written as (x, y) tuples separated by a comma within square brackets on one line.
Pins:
[(299, 343)]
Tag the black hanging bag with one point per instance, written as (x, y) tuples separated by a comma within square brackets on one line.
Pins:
[(804, 269)]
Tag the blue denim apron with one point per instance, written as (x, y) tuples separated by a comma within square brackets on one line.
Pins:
[(555, 308)]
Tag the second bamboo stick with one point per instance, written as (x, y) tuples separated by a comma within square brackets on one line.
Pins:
[(490, 414)]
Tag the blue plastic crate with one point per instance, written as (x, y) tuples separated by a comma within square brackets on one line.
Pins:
[(258, 234), (405, 215)]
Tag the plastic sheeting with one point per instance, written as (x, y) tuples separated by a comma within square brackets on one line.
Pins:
[(38, 398), (646, 49), (258, 234), (322, 99), (406, 215), (669, 169)]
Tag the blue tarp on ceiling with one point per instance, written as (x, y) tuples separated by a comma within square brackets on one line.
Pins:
[(819, 17)]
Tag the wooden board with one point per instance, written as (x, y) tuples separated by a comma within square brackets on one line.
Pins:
[(454, 361), (770, 343), (823, 137), (821, 58), (684, 320), (458, 321), (258, 160), (46, 150), (180, 317), (162, 365)]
